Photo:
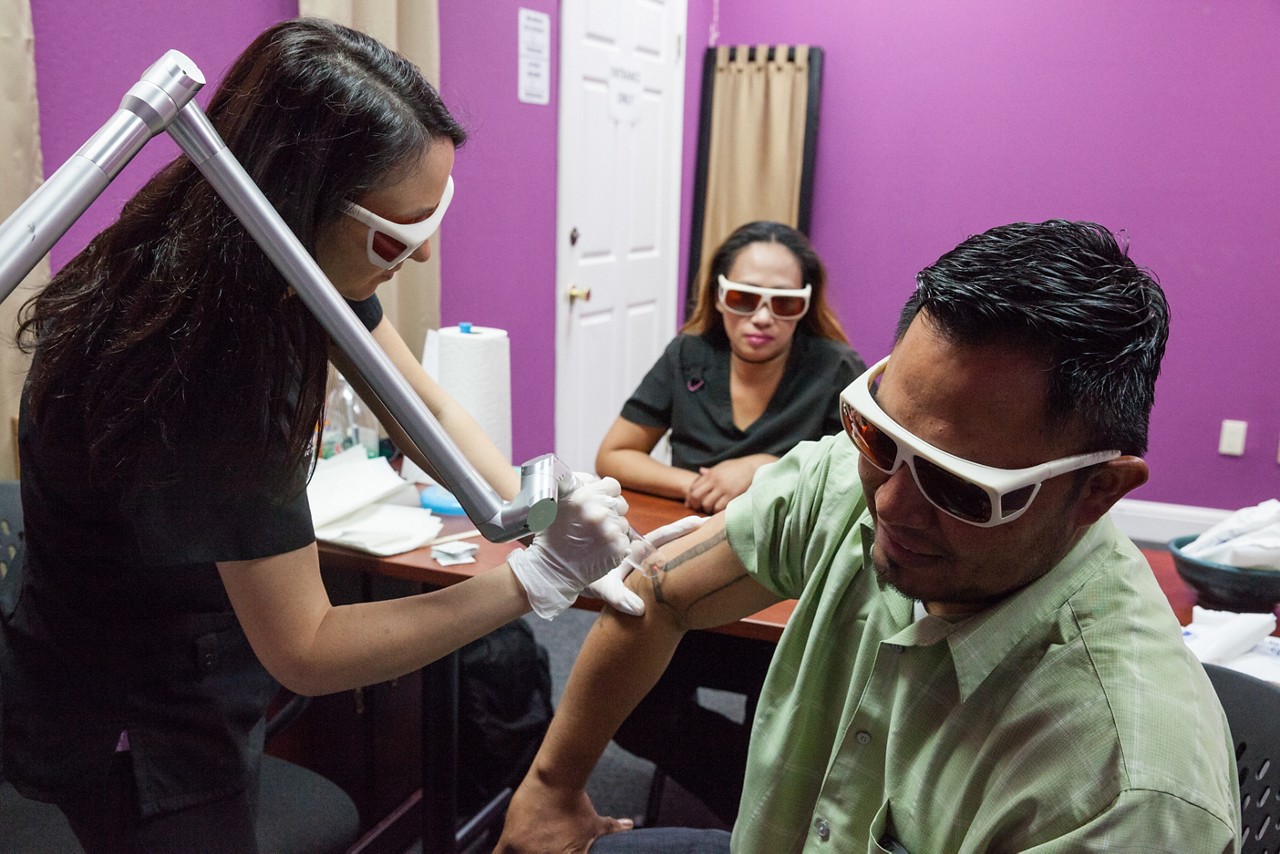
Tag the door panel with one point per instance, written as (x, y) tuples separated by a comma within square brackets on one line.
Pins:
[(621, 116)]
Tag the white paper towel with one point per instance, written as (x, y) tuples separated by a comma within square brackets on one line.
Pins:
[(475, 368)]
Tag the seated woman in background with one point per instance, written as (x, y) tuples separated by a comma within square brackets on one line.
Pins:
[(758, 367)]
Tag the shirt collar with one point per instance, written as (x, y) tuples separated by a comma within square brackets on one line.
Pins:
[(982, 643)]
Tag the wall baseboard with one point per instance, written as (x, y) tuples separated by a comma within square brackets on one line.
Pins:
[(1156, 522)]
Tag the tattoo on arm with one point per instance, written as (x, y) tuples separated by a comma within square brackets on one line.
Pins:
[(700, 548), (695, 551)]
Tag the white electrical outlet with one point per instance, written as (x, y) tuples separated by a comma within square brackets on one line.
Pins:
[(1231, 441)]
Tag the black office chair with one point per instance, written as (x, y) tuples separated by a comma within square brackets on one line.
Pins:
[(299, 811), (1251, 705), (29, 826)]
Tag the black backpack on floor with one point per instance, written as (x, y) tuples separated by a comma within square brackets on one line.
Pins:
[(504, 709)]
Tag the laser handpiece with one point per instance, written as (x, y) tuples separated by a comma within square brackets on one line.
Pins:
[(644, 556)]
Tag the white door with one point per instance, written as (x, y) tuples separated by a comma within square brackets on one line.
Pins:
[(618, 212)]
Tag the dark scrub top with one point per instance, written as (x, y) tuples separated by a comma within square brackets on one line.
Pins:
[(687, 390), (117, 621)]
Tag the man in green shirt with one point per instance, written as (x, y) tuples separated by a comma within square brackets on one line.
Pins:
[(978, 660)]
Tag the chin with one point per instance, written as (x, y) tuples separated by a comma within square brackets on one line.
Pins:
[(892, 574), (919, 583), (758, 356), (368, 289)]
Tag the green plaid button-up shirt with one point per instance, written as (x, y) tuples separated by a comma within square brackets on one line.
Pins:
[(1069, 717)]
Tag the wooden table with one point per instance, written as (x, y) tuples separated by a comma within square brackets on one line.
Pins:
[(440, 680)]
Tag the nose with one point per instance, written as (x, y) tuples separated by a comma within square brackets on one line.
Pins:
[(898, 499), (762, 316), (422, 253)]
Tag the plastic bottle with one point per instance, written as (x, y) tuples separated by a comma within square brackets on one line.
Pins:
[(348, 423), (363, 427)]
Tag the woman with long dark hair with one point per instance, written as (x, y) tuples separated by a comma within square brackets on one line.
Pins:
[(758, 367), (166, 437)]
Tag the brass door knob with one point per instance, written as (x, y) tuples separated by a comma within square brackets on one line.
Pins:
[(577, 293)]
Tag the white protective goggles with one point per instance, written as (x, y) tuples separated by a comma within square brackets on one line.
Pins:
[(784, 303), (969, 491), (391, 242)]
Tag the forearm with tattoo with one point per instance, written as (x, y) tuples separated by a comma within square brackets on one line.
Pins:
[(656, 579)]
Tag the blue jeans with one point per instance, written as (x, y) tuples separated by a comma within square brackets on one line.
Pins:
[(663, 840)]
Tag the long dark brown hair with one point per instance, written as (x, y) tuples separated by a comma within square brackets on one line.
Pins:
[(820, 322), (172, 326)]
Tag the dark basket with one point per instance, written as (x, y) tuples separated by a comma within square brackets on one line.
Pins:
[(1226, 588)]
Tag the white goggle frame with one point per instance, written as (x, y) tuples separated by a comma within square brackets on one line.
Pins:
[(410, 235), (767, 294), (858, 401)]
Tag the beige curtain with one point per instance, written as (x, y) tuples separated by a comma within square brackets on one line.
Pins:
[(412, 27), (756, 154), (20, 175)]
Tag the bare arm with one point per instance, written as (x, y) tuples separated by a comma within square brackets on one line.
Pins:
[(624, 456), (475, 445), (704, 585), (313, 647)]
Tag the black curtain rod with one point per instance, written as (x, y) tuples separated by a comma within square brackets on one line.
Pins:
[(751, 53)]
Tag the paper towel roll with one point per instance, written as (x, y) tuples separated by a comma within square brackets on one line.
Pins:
[(475, 368)]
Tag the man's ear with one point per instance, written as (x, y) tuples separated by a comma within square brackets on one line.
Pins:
[(1107, 484)]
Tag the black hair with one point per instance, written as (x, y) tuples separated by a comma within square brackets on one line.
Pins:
[(820, 321), (1066, 291), (172, 325)]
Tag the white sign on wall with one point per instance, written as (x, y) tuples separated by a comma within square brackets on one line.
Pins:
[(534, 61)]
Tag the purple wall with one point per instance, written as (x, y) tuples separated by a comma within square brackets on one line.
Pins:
[(1160, 117), (89, 54), (938, 121), (497, 250)]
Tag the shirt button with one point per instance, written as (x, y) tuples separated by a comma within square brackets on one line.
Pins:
[(863, 737), (823, 827)]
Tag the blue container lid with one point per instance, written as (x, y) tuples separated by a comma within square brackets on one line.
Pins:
[(437, 499)]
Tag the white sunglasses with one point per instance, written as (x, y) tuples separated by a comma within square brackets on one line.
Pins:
[(971, 492), (391, 242), (784, 303)]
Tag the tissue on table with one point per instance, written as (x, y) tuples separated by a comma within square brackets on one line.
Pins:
[(1240, 641), (453, 553), (361, 502), (1248, 538)]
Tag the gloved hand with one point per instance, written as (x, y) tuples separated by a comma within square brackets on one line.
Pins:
[(587, 539), (612, 589)]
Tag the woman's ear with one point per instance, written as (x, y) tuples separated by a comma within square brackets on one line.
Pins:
[(1106, 485)]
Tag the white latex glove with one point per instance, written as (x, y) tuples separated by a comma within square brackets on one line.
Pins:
[(612, 589), (587, 539)]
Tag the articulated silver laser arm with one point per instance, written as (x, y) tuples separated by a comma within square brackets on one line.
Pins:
[(162, 101)]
